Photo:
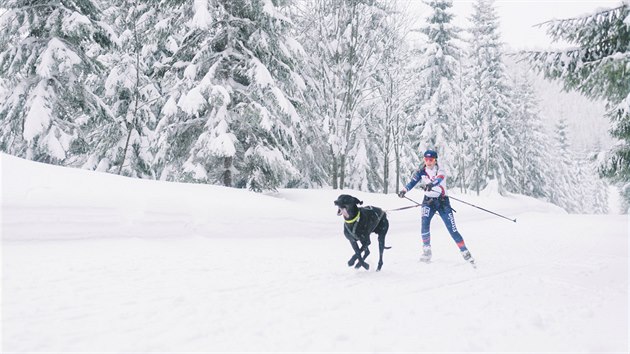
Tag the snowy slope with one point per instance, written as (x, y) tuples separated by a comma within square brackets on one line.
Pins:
[(93, 262)]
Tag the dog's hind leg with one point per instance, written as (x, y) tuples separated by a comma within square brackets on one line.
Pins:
[(384, 226), (381, 248)]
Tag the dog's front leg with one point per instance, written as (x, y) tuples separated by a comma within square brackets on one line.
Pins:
[(352, 260), (365, 249), (357, 256)]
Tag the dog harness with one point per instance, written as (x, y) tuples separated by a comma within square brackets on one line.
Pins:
[(368, 228), (354, 221)]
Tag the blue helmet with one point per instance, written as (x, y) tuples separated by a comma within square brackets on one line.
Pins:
[(431, 153)]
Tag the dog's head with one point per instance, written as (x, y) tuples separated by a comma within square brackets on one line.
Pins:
[(347, 206)]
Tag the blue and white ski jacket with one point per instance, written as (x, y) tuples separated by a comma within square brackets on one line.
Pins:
[(434, 176)]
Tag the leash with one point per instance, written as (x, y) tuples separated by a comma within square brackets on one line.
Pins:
[(411, 206), (418, 204), (403, 208), (406, 207)]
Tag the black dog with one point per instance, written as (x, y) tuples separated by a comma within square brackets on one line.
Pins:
[(359, 223)]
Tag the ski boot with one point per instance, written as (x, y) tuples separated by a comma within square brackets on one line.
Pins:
[(426, 254), (468, 258)]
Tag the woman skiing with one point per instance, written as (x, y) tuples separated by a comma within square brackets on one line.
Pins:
[(433, 180)]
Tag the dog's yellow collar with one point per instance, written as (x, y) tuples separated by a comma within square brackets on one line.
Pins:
[(354, 219)]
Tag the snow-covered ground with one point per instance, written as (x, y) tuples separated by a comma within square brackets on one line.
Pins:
[(93, 262)]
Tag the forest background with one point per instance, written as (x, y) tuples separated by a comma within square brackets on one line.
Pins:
[(268, 94)]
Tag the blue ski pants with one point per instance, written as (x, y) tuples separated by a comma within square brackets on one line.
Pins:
[(441, 205)]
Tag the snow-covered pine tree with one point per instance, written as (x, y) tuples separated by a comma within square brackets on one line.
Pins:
[(575, 185), (564, 189), (362, 177), (463, 156), (477, 109), (47, 57), (490, 102), (231, 116), (589, 191), (438, 91), (592, 190), (597, 67), (531, 169), (130, 90)]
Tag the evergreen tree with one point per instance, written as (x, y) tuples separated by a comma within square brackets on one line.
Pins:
[(592, 189), (130, 90), (597, 67), (478, 109), (564, 184), (231, 113), (490, 95), (360, 164), (531, 143), (439, 92), (576, 186), (463, 158), (48, 56)]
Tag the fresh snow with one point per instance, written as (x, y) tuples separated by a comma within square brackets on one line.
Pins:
[(93, 262), (193, 102), (57, 57), (76, 23), (39, 116), (202, 18)]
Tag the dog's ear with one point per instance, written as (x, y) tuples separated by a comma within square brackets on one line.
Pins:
[(344, 199)]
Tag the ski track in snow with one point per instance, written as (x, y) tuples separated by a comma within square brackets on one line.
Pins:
[(261, 274)]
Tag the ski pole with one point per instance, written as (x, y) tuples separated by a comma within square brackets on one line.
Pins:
[(472, 205), (486, 210)]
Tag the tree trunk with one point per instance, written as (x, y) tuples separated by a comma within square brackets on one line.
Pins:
[(386, 174), (342, 172), (335, 169), (227, 173), (397, 153), (136, 92), (462, 184), (386, 160), (397, 139)]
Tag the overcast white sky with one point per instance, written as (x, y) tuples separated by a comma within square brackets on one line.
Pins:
[(518, 17)]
